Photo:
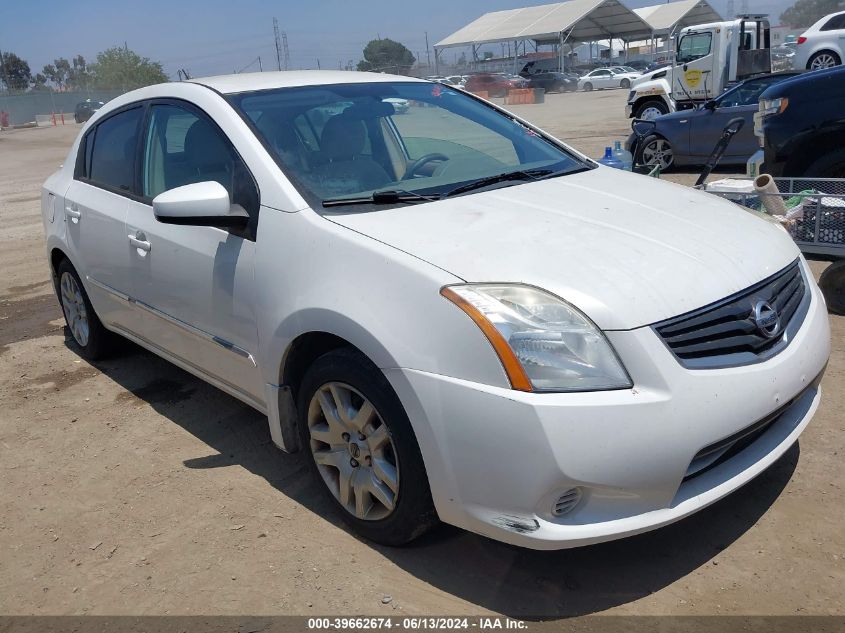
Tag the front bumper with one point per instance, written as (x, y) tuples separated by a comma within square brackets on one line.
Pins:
[(498, 459)]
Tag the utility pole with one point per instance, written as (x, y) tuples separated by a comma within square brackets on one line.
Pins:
[(318, 65), (427, 50), (260, 69), (285, 49), (278, 49)]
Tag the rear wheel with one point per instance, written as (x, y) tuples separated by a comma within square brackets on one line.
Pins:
[(651, 110), (823, 59), (588, 87), (92, 339), (653, 151), (832, 284), (363, 450)]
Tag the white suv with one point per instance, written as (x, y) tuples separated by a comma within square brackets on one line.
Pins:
[(822, 45), (453, 314)]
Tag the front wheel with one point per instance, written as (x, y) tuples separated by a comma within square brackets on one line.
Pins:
[(363, 449), (823, 59), (832, 284), (588, 87), (651, 109), (655, 151), (625, 83)]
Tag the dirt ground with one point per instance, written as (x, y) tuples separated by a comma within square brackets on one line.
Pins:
[(130, 487)]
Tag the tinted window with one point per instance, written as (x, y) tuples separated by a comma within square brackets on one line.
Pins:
[(112, 158), (182, 148), (834, 23)]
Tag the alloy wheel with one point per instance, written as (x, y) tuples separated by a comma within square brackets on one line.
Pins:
[(823, 60), (73, 305), (658, 152), (354, 451)]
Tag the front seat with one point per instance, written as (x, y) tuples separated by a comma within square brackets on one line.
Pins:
[(346, 169), (207, 156)]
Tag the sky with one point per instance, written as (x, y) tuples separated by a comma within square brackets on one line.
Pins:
[(209, 37)]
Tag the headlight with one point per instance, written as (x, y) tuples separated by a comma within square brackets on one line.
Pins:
[(544, 343), (773, 106)]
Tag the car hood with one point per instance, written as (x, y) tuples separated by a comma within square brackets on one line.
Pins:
[(626, 249)]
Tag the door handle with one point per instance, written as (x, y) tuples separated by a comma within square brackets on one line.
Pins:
[(139, 241), (72, 211)]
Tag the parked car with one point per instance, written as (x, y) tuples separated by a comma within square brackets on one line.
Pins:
[(823, 44), (494, 84), (687, 137), (602, 78), (85, 109), (639, 65), (552, 82), (364, 281), (400, 106), (801, 125), (625, 70)]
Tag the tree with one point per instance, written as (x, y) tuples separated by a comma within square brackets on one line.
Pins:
[(806, 12), (65, 75), (39, 82), (386, 55), (122, 68), (14, 72)]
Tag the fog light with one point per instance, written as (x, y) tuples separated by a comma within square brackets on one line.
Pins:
[(566, 502)]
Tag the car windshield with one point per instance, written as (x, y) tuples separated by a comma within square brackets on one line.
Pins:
[(347, 141)]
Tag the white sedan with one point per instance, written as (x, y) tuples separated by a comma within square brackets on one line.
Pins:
[(454, 315), (822, 45), (601, 78)]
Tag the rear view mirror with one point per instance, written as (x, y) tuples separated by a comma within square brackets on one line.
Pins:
[(199, 204)]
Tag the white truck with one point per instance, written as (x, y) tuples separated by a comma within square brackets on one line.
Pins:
[(708, 59)]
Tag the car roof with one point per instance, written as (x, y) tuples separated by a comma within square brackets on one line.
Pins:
[(247, 82)]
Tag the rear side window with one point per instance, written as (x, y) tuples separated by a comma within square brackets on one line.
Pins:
[(835, 23), (110, 152)]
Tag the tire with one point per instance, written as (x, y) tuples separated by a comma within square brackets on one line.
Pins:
[(92, 340), (832, 284), (830, 165), (655, 149), (347, 376), (823, 59), (651, 109), (588, 87), (625, 83)]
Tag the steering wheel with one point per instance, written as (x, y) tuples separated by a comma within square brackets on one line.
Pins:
[(422, 160)]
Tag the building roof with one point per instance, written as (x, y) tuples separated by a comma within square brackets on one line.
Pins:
[(664, 18), (582, 20)]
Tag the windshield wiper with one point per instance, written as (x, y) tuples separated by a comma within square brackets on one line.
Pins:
[(528, 174), (391, 196)]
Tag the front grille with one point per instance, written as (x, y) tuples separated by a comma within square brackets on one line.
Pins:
[(726, 333)]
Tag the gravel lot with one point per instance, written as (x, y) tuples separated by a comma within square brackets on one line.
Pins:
[(130, 487)]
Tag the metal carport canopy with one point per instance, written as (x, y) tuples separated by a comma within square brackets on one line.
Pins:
[(666, 18), (581, 20)]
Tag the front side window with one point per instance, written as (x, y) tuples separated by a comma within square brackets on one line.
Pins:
[(111, 149), (183, 147), (413, 137), (694, 46)]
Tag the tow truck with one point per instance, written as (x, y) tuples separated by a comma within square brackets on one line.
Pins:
[(709, 59)]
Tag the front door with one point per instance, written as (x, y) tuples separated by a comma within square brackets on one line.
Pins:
[(195, 283)]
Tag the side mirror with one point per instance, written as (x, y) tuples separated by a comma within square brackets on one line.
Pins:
[(643, 127), (199, 204), (710, 105)]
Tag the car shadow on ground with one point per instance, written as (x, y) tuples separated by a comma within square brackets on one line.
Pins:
[(517, 582)]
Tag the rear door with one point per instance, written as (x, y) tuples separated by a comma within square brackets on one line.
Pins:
[(95, 210), (195, 284)]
